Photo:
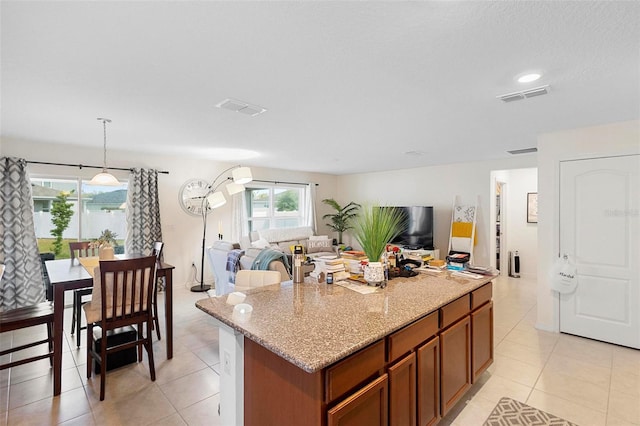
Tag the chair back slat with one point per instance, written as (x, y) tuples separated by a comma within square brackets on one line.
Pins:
[(128, 285), (82, 249)]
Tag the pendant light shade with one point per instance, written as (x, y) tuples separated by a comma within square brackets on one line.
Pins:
[(242, 175), (104, 178)]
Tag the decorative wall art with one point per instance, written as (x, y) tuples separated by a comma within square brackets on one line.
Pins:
[(532, 207)]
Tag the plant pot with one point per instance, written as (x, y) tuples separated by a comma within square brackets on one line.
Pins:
[(374, 273)]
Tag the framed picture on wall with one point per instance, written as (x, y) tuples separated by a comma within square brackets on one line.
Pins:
[(532, 207)]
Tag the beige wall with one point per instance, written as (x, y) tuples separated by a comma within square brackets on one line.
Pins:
[(591, 142), (436, 186), (181, 233)]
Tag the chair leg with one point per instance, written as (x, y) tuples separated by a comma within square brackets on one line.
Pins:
[(103, 363), (50, 343), (140, 338), (73, 314), (77, 304), (156, 323), (89, 347), (148, 344)]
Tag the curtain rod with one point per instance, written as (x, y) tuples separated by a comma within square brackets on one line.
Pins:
[(80, 166), (286, 183)]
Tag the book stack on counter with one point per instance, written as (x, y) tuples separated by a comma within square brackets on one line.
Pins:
[(334, 265), (352, 262), (457, 261), (423, 256)]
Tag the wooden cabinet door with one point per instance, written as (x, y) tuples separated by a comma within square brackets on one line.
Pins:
[(455, 363), (428, 379), (368, 406), (481, 339), (402, 392)]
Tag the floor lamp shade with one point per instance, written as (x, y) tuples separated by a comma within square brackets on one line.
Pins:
[(234, 188), (216, 200), (242, 175)]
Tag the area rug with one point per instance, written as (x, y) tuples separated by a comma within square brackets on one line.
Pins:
[(509, 412)]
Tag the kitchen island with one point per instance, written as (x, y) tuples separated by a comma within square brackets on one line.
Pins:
[(323, 354)]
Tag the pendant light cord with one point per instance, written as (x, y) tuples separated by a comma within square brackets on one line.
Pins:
[(104, 150)]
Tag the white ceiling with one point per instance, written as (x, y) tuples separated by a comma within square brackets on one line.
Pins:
[(349, 86)]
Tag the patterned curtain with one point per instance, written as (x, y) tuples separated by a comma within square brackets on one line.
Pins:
[(143, 212), (22, 283)]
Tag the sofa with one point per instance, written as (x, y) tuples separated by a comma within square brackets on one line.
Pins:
[(218, 255), (284, 239), (275, 239)]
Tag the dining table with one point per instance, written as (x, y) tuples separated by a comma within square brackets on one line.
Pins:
[(67, 274)]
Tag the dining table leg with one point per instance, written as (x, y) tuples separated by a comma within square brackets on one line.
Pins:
[(58, 324)]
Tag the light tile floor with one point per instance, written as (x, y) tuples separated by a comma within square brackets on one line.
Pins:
[(583, 381)]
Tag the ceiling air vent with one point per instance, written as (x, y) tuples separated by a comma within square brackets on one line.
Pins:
[(523, 151), (529, 93), (242, 107)]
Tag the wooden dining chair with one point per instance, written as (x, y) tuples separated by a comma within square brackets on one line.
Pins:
[(157, 252), (28, 316), (122, 296), (80, 249)]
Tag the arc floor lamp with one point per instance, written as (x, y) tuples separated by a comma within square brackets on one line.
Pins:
[(212, 199)]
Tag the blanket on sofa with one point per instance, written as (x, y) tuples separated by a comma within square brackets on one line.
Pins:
[(233, 263), (266, 255)]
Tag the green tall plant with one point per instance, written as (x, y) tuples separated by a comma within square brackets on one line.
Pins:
[(341, 220), (61, 213), (376, 227)]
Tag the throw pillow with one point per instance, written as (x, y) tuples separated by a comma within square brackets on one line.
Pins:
[(260, 243), (318, 237), (317, 246)]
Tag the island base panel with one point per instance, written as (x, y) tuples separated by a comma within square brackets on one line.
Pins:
[(277, 392)]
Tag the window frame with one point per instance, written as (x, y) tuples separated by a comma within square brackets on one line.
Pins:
[(79, 204), (271, 217)]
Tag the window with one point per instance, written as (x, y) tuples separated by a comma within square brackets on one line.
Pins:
[(271, 206), (95, 208)]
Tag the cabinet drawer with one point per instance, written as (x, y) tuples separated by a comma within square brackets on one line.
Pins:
[(356, 369), (410, 337), (481, 296), (453, 311)]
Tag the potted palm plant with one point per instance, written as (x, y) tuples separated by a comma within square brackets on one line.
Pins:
[(341, 220), (374, 228)]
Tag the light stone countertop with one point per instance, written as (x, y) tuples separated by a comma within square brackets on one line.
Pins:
[(314, 325)]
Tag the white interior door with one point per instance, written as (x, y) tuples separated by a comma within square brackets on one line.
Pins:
[(599, 229)]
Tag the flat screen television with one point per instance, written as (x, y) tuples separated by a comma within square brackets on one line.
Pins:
[(418, 233)]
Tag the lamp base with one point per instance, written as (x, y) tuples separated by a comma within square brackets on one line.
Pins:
[(200, 288)]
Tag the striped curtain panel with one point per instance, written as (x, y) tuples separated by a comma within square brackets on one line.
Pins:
[(22, 283), (143, 212)]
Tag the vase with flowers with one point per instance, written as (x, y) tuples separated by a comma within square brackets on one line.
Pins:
[(105, 243)]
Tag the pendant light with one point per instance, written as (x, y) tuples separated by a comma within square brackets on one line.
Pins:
[(104, 178)]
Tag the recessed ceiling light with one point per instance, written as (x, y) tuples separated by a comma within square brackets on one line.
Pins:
[(528, 78)]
